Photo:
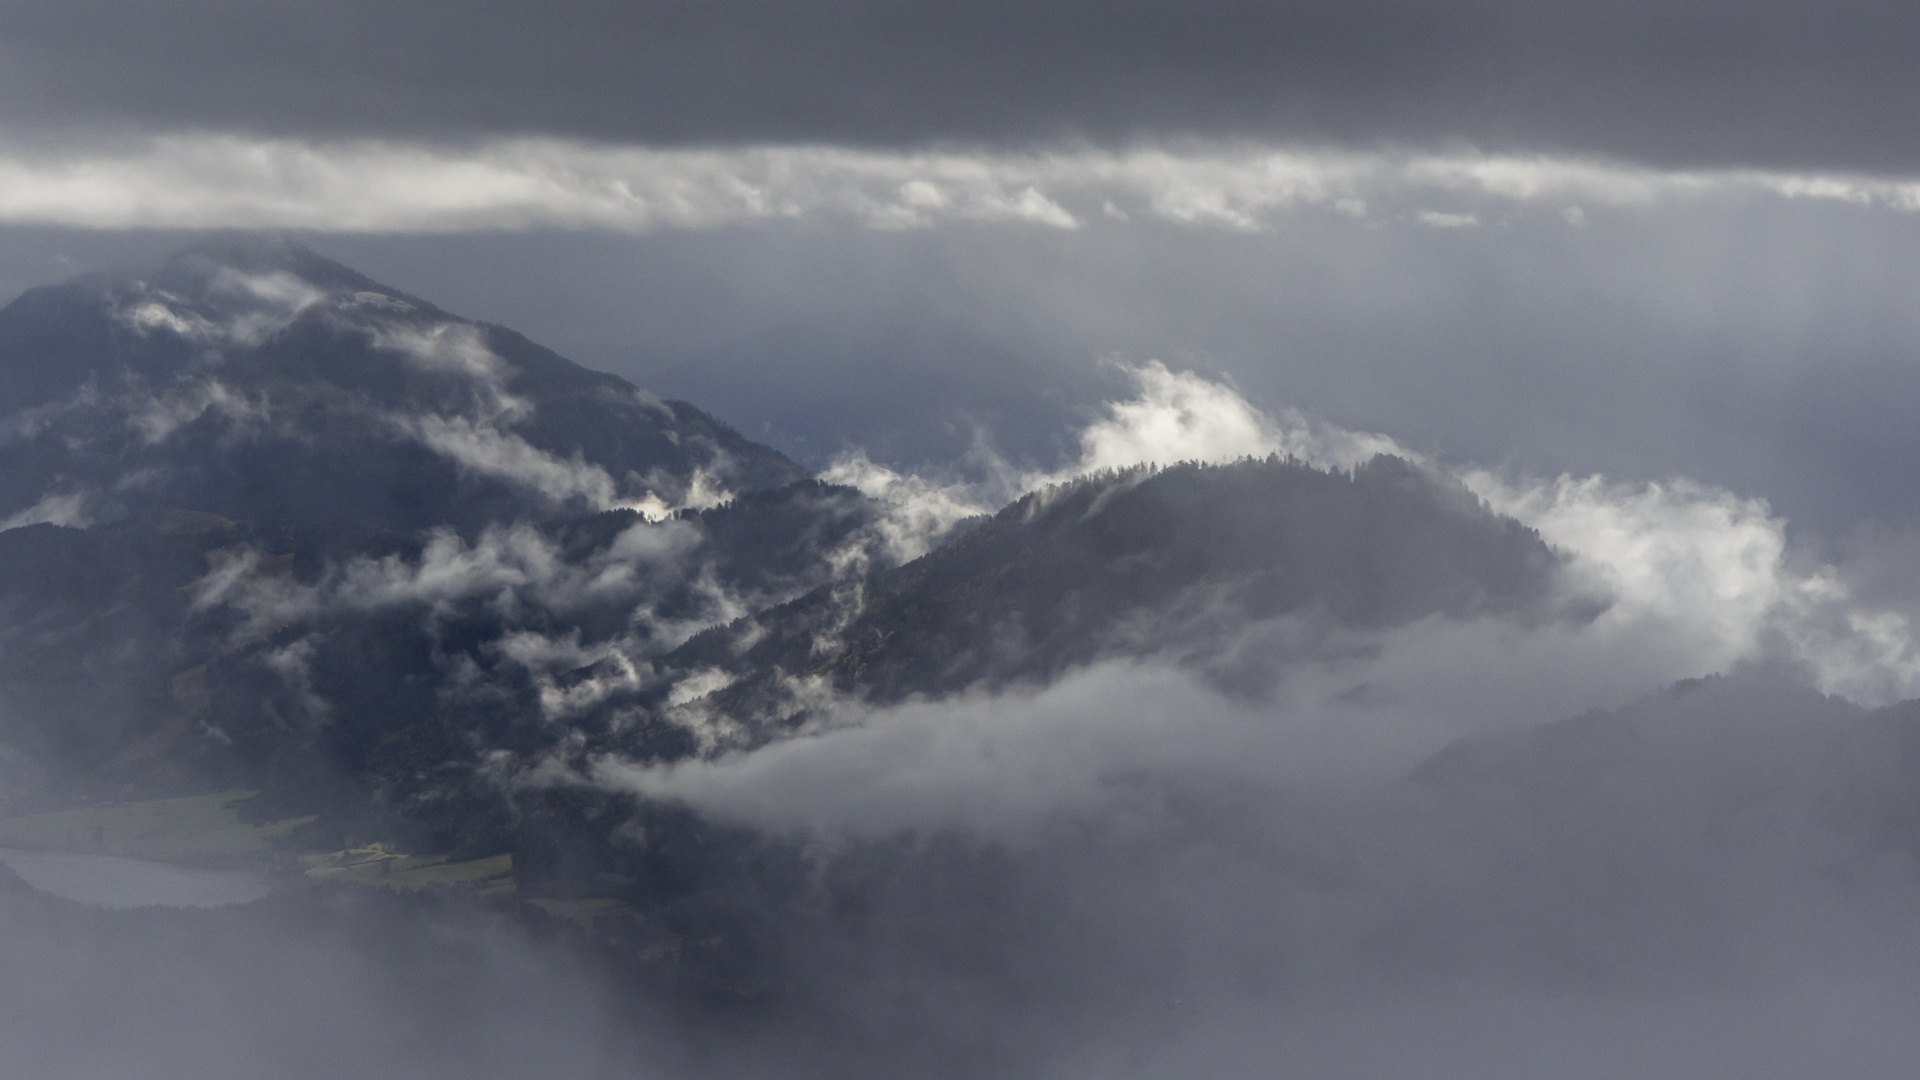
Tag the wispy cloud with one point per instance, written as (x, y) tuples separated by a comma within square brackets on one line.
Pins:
[(1709, 573), (194, 181), (1704, 570), (1698, 574), (54, 509), (1173, 417), (1435, 219)]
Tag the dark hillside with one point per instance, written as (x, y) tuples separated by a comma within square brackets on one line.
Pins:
[(1144, 562), (255, 380)]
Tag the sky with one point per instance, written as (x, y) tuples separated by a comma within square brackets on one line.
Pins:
[(1785, 83)]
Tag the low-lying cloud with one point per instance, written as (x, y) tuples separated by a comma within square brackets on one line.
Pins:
[(1712, 573), (1175, 416), (1146, 869)]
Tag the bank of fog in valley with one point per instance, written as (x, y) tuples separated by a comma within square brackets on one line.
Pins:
[(1234, 743)]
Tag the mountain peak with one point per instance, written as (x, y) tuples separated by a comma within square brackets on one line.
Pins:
[(253, 378), (244, 285), (256, 254)]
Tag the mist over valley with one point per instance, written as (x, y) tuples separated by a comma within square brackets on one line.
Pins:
[(383, 693)]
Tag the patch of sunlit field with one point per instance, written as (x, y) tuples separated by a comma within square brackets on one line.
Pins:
[(379, 865), (585, 913), (202, 829), (191, 829)]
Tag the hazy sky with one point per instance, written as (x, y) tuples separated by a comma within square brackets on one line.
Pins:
[(1640, 239)]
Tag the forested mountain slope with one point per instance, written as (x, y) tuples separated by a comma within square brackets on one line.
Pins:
[(254, 379), (1180, 560)]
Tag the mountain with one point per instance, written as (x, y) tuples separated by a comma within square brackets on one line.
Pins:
[(435, 606), (253, 379), (1657, 837), (338, 664), (275, 525), (342, 663), (1178, 561), (263, 515)]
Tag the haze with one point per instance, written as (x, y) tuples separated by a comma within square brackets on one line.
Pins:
[(1571, 350)]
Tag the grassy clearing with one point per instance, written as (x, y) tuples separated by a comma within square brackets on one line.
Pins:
[(585, 912), (191, 829), (207, 828), (380, 866)]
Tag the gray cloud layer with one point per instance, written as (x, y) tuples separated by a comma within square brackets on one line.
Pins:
[(375, 186), (1793, 82)]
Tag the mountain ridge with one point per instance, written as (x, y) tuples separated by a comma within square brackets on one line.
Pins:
[(257, 380), (426, 661), (1145, 561)]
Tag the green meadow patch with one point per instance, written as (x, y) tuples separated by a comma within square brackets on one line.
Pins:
[(200, 829), (585, 913), (195, 828), (379, 865)]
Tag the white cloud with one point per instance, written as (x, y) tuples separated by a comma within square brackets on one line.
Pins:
[(201, 181), (251, 307), (458, 349), (266, 303), (148, 315), (54, 509), (513, 570), (501, 564), (1100, 742), (1707, 573), (1174, 416), (491, 452), (1184, 416), (454, 347), (157, 416), (705, 490), (1524, 178), (916, 511), (1177, 417), (1435, 219), (998, 763), (498, 562)]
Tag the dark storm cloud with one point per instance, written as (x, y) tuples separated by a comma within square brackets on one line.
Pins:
[(1792, 82)]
